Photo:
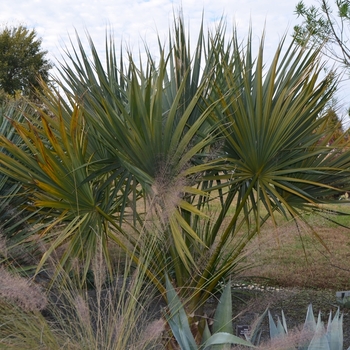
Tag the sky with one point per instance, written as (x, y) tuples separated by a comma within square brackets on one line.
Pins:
[(135, 21)]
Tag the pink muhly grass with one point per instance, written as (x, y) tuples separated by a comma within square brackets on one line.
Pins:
[(167, 192), (83, 311), (292, 340), (151, 333), (154, 330), (21, 291)]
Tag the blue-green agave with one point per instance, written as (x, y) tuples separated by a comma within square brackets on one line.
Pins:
[(221, 336), (314, 335)]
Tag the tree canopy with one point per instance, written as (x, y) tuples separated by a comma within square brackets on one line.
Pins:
[(22, 61), (328, 25)]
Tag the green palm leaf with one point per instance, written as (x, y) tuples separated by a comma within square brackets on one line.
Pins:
[(276, 153)]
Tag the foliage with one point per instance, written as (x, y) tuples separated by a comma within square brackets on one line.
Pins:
[(326, 25), (222, 325), (264, 175), (108, 168), (238, 100), (62, 315), (313, 334), (22, 61), (133, 155), (19, 221)]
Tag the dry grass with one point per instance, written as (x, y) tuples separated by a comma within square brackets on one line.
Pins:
[(288, 256), (66, 316), (302, 267), (293, 257), (20, 291), (292, 340)]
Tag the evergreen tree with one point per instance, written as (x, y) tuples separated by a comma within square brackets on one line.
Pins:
[(22, 61)]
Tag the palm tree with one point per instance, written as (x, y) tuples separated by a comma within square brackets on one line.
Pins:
[(276, 156), (134, 154), (19, 220)]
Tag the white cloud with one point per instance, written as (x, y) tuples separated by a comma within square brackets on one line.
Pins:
[(133, 21)]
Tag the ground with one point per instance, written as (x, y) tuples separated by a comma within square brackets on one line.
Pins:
[(248, 305), (297, 267)]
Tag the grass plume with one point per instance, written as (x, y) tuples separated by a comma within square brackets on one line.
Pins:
[(21, 291)]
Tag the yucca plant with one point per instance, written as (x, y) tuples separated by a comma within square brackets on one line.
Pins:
[(129, 134), (54, 165)]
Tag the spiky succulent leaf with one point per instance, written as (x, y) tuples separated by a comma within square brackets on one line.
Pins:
[(206, 333), (178, 320), (256, 331), (334, 331), (309, 328), (223, 313), (223, 338), (279, 329), (319, 340)]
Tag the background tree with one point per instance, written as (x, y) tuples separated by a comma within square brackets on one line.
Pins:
[(327, 25), (22, 61)]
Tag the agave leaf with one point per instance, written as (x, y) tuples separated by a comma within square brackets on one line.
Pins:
[(178, 320), (255, 332), (280, 328), (206, 333), (284, 323), (335, 331), (223, 313), (310, 321), (274, 330), (223, 338), (319, 340), (223, 316), (309, 328)]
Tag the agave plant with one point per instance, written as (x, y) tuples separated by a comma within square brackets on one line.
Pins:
[(221, 335), (313, 335)]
